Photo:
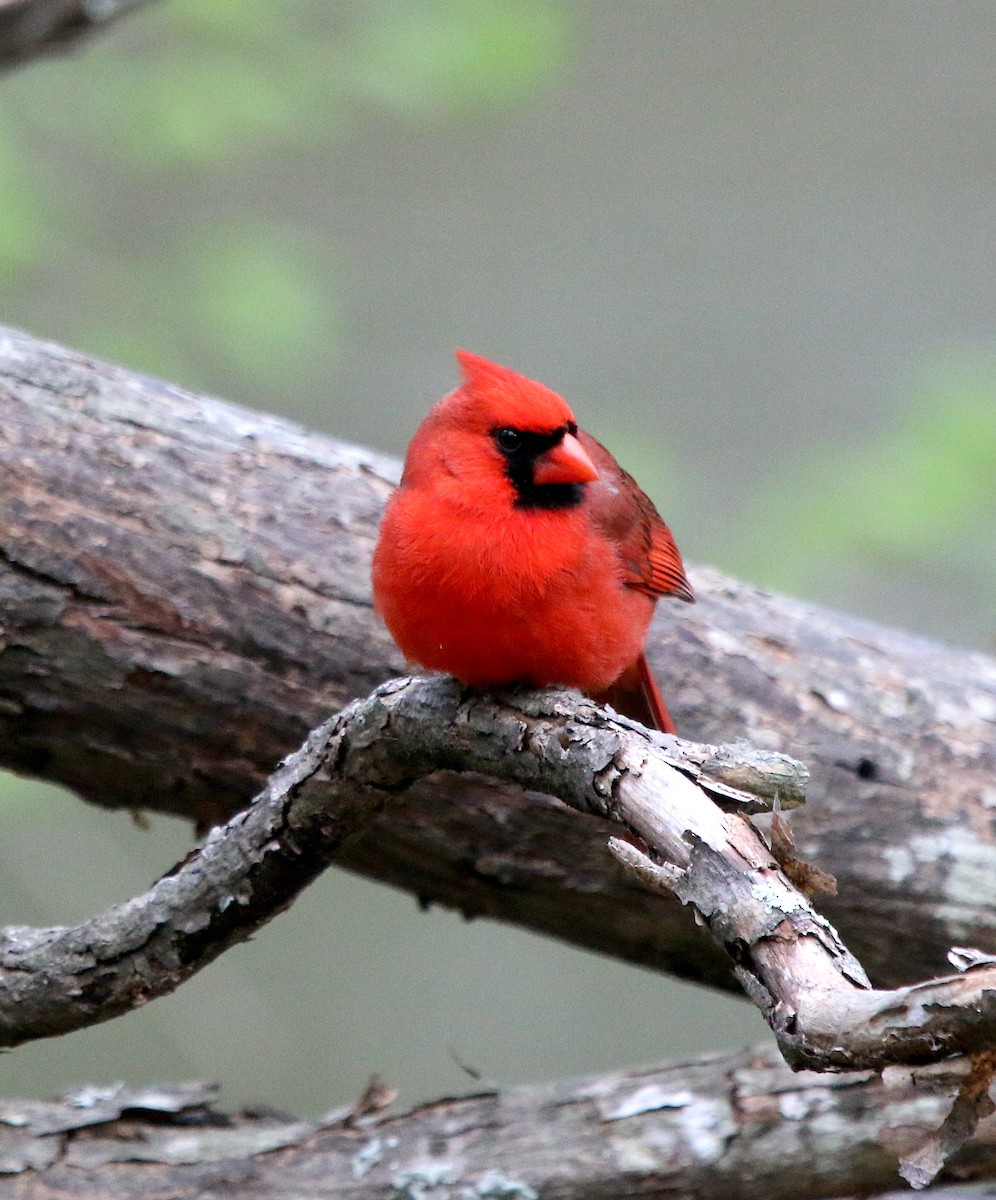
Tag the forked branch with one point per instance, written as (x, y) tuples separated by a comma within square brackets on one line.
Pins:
[(790, 961), (56, 980), (185, 593)]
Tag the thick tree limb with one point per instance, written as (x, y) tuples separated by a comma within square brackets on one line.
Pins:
[(184, 594), (146, 576), (737, 1126), (29, 28)]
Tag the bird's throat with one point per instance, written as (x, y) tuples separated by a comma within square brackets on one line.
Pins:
[(546, 496)]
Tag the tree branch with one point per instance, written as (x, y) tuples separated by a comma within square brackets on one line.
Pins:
[(790, 961), (734, 1126), (184, 589), (185, 593), (815, 996), (56, 980), (29, 28), (163, 572)]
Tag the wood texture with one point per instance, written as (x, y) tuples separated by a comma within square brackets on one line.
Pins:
[(184, 594), (789, 960), (30, 28), (183, 589), (352, 767), (726, 1128)]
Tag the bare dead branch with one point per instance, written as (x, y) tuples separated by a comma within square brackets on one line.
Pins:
[(743, 1125), (56, 980), (184, 593), (29, 28), (791, 962), (972, 1104)]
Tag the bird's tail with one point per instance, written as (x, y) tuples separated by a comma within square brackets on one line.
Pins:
[(635, 694)]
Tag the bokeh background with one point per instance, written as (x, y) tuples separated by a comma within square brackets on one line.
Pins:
[(754, 244)]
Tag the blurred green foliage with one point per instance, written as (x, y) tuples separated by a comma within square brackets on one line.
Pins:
[(257, 287), (453, 57), (920, 493), (169, 257), (22, 227), (180, 105)]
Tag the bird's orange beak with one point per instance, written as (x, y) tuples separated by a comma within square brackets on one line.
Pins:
[(566, 462)]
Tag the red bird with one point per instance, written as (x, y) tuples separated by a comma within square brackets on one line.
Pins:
[(517, 550)]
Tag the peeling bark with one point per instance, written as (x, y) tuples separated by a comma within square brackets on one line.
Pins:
[(56, 980), (30, 28), (736, 1127), (184, 590), (790, 961)]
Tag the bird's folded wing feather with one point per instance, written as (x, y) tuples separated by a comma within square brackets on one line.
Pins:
[(623, 512)]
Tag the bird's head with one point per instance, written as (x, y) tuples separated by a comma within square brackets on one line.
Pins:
[(499, 424)]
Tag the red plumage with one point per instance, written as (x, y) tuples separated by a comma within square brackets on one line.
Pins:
[(517, 550)]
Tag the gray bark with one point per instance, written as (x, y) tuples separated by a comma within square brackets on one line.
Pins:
[(185, 594), (184, 591), (789, 960), (56, 980), (736, 1128), (30, 28)]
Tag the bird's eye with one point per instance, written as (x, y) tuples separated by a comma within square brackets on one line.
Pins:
[(509, 440)]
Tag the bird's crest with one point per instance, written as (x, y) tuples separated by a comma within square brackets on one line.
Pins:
[(511, 398)]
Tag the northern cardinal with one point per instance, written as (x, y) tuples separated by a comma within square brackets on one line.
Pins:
[(517, 550)]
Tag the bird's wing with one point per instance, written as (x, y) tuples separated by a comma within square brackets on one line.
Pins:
[(621, 510)]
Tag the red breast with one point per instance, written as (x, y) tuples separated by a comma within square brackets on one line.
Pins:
[(516, 549)]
